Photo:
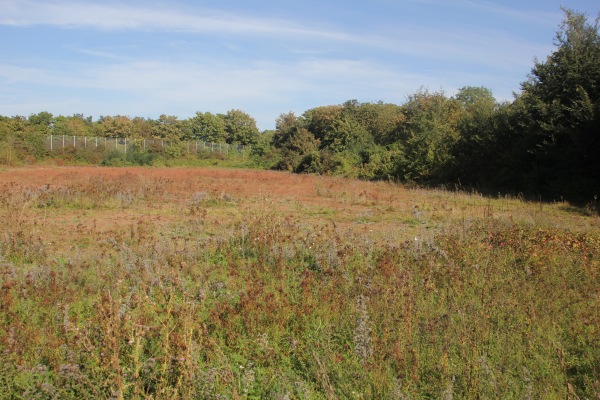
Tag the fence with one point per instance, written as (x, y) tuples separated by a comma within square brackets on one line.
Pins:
[(60, 142)]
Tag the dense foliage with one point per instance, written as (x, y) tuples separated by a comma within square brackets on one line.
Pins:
[(546, 142), (543, 143)]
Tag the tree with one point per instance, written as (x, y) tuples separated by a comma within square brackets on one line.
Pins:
[(474, 151), (168, 127), (561, 101), (18, 140), (208, 127), (76, 125), (294, 141), (141, 128), (380, 120), (43, 122), (263, 148), (427, 136), (113, 127), (11, 127), (324, 124), (473, 97), (240, 128)]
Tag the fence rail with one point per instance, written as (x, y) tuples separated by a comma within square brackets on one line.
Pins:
[(61, 142)]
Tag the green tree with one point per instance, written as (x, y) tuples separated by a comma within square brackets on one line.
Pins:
[(474, 97), (75, 125), (380, 120), (42, 122), (294, 141), (19, 140), (208, 127), (141, 128), (474, 150), (240, 127), (118, 126), (11, 127), (325, 124), (427, 136), (263, 146), (562, 112), (169, 128)]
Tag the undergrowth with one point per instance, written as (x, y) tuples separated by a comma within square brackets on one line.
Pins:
[(274, 307)]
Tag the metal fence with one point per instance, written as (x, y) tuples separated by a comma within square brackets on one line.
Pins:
[(62, 142)]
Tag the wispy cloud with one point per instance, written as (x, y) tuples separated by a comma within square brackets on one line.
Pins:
[(409, 39), (186, 88), (496, 8), (531, 15), (115, 16)]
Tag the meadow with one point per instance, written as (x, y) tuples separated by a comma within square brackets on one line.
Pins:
[(207, 283)]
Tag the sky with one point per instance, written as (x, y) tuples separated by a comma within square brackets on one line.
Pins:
[(265, 57)]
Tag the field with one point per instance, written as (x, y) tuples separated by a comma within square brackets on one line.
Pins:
[(214, 283)]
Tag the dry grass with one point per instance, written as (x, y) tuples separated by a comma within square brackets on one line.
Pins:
[(211, 283), (101, 199)]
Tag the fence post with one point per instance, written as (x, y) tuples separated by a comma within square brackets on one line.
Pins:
[(63, 142), (125, 145), (74, 145), (51, 143), (85, 142), (96, 141)]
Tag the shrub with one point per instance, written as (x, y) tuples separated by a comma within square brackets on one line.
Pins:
[(134, 156)]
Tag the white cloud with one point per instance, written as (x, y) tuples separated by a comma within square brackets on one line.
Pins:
[(530, 15), (406, 39), (149, 88), (109, 16)]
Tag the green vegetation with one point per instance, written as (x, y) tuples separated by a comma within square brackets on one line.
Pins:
[(170, 141), (545, 143), (467, 298)]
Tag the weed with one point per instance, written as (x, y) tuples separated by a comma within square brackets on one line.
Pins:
[(201, 286)]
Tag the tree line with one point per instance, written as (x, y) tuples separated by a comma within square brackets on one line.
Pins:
[(234, 127), (544, 142)]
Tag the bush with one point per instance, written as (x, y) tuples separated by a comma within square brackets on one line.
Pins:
[(137, 156), (134, 156)]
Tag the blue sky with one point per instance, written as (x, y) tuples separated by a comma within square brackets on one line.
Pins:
[(152, 57)]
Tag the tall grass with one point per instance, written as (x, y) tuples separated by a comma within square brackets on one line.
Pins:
[(276, 306)]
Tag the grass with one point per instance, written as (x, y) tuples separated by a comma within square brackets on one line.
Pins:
[(210, 283)]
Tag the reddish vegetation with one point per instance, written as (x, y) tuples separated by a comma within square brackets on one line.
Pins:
[(244, 183), (210, 283), (325, 198), (164, 195)]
